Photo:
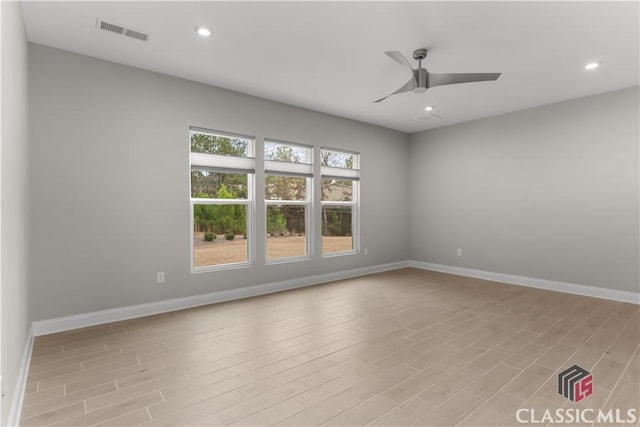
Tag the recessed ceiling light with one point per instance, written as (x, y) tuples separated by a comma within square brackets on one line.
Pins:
[(592, 66), (429, 108), (203, 31)]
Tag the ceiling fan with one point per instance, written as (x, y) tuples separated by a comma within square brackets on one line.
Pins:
[(423, 80)]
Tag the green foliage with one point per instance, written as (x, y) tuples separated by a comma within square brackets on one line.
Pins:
[(220, 218), (287, 153), (333, 229), (229, 235), (276, 222), (206, 184), (337, 190), (336, 221), (204, 218), (336, 159), (284, 153), (223, 193), (209, 236), (202, 143), (278, 187)]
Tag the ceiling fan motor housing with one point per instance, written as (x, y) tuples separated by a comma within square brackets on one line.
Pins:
[(422, 80)]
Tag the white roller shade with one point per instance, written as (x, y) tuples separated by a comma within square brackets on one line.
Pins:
[(220, 134), (285, 168), (340, 173), (221, 163)]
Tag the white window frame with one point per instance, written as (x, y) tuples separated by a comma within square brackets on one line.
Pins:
[(226, 164), (298, 170), (345, 174)]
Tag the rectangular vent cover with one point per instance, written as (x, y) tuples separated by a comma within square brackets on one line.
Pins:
[(136, 35), (427, 118), (118, 29), (111, 27)]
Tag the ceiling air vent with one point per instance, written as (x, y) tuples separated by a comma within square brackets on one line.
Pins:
[(427, 118), (111, 27), (118, 29), (136, 35)]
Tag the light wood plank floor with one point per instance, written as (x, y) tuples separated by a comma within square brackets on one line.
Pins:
[(407, 347)]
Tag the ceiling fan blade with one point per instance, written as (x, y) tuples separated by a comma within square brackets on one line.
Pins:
[(407, 87), (439, 79), (398, 57)]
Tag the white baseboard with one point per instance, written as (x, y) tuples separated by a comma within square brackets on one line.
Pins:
[(61, 324), (43, 327), (570, 288), (21, 383)]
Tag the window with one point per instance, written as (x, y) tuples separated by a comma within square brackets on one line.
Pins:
[(222, 172), (287, 192), (340, 209)]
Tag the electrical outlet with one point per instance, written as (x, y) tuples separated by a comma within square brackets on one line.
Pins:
[(366, 251), (459, 252), (160, 278)]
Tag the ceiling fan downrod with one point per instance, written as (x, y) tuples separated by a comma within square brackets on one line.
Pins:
[(421, 75)]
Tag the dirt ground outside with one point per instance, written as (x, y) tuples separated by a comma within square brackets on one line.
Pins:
[(222, 251)]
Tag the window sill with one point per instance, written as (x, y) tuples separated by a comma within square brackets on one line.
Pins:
[(339, 254), (287, 260), (222, 267)]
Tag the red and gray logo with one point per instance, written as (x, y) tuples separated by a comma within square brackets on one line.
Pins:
[(575, 383)]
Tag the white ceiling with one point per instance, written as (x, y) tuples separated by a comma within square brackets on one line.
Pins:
[(329, 56)]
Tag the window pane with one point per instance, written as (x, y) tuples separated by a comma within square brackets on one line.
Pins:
[(337, 190), (213, 144), (218, 185), (286, 153), (337, 232), (219, 234), (279, 187), (336, 159), (286, 235)]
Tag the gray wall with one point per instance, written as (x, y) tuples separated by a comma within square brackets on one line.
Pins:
[(110, 182), (548, 193), (14, 178)]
